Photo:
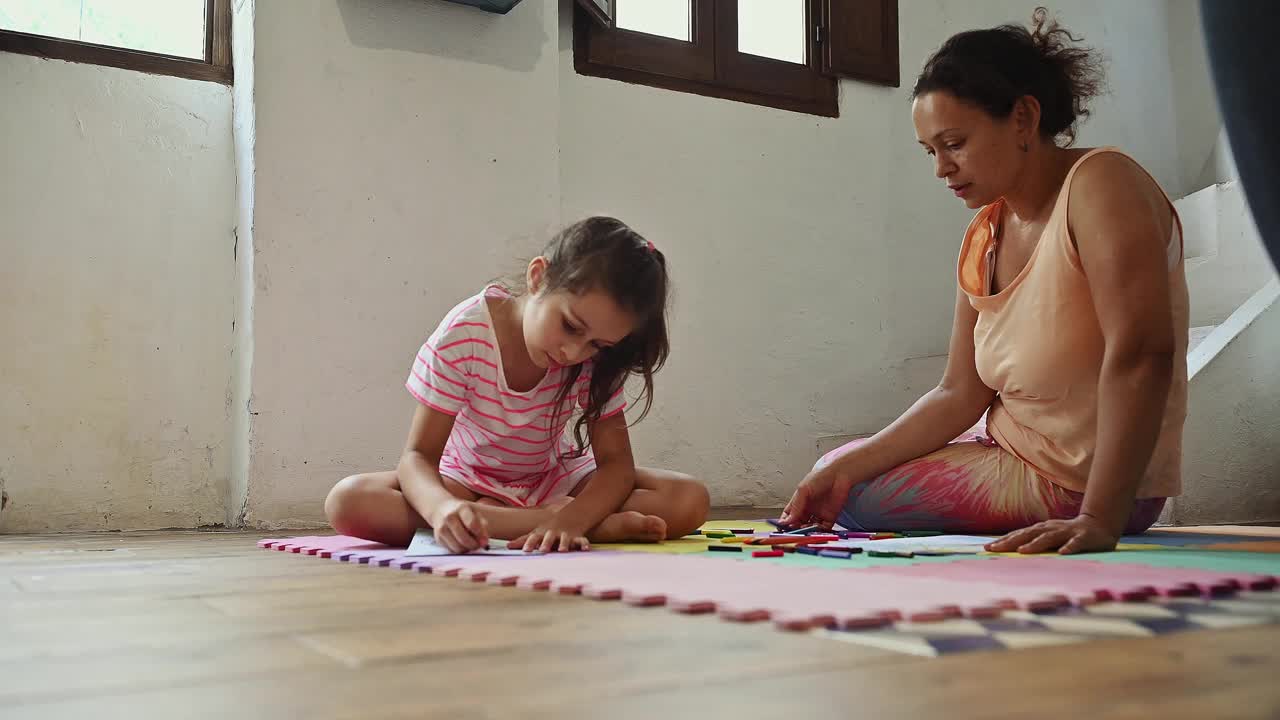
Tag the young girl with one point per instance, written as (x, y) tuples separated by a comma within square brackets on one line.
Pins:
[(497, 383)]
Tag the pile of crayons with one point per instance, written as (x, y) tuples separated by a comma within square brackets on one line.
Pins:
[(810, 540)]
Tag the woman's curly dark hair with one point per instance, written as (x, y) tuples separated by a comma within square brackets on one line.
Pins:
[(993, 68)]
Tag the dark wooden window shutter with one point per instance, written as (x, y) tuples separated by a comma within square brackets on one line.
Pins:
[(860, 40), (857, 39), (601, 11)]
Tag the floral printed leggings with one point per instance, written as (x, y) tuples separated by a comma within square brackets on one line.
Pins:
[(972, 485)]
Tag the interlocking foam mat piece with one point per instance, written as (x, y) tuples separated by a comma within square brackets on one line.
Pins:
[(1017, 629), (802, 592)]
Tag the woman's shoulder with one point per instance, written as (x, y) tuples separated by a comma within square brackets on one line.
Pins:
[(1113, 196), (1101, 168)]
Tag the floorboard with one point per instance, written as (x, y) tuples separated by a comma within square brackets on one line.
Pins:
[(204, 625)]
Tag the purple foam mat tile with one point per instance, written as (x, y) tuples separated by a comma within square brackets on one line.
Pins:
[(377, 558)]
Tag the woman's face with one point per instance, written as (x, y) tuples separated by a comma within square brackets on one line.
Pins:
[(976, 155)]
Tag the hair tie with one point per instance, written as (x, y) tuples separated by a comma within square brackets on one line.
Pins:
[(648, 244)]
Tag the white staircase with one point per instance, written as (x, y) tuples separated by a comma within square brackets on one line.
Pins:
[(1231, 444), (1225, 260)]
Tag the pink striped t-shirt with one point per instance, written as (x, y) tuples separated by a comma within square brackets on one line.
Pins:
[(505, 444)]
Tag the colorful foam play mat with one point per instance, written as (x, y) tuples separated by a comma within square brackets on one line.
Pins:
[(920, 592)]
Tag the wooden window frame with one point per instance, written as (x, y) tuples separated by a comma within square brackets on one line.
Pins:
[(846, 38), (215, 67)]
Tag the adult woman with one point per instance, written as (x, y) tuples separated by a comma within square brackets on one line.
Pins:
[(1070, 325)]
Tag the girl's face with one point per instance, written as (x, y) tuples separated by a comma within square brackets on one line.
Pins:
[(562, 328), (976, 155)]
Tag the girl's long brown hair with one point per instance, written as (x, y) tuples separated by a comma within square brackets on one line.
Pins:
[(604, 254)]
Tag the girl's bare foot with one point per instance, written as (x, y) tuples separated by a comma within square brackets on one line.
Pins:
[(629, 526)]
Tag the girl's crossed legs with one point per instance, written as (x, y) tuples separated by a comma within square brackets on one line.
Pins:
[(664, 504)]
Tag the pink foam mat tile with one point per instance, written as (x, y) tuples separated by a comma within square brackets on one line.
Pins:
[(826, 598), (1078, 578), (801, 597)]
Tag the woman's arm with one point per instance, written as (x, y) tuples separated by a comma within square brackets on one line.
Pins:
[(1121, 224), (1124, 225), (937, 418)]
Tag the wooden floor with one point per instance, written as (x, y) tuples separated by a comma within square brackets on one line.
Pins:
[(205, 625)]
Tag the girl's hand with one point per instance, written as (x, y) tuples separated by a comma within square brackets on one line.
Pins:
[(1083, 533), (819, 497), (562, 533), (459, 527)]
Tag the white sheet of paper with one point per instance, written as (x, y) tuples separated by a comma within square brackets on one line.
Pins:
[(424, 544), (974, 542)]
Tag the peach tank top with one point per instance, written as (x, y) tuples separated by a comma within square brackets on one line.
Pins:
[(1039, 345)]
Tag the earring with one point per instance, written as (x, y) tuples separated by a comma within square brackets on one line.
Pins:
[(1025, 146)]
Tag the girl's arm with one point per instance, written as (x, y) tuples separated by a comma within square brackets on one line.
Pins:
[(1121, 223), (615, 476), (455, 522), (604, 493)]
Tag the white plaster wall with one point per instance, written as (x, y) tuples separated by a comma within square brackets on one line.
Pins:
[(814, 258), (1230, 459), (115, 268), (406, 152), (1197, 122)]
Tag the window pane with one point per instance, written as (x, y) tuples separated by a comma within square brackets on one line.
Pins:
[(169, 27), (668, 18), (773, 29), (56, 18)]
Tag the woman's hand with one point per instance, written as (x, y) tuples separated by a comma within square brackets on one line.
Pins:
[(819, 497), (458, 526), (1083, 533), (563, 533)]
